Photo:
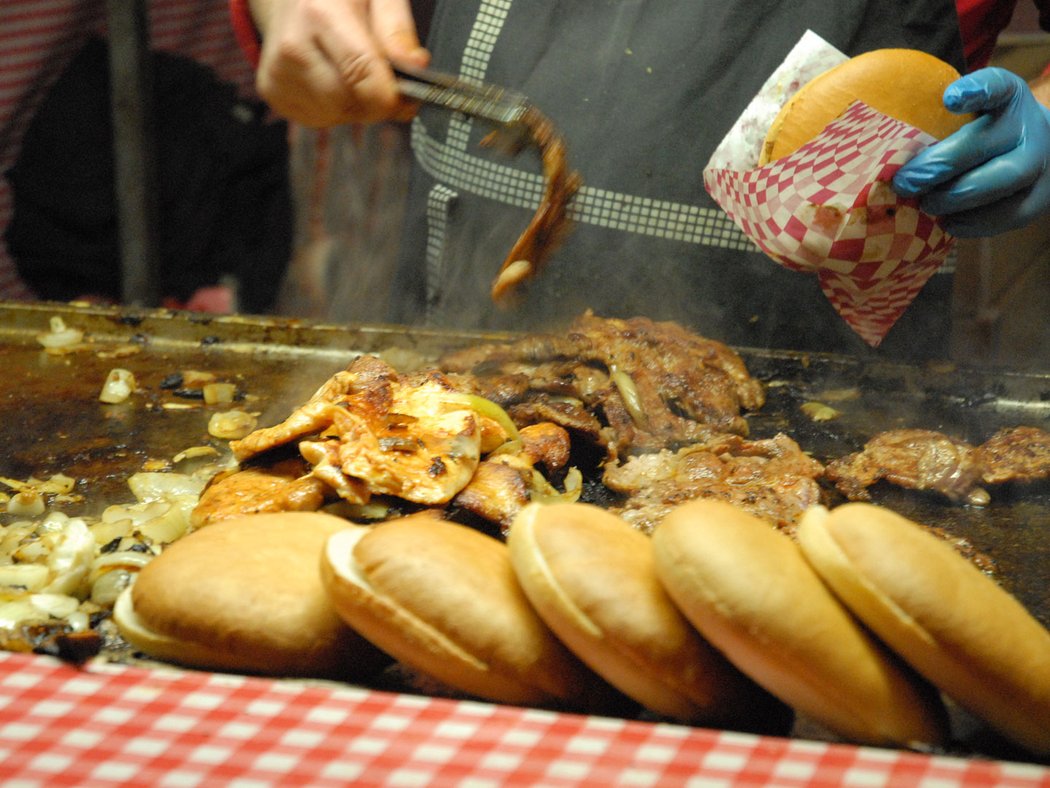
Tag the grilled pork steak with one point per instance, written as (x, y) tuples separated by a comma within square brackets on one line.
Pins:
[(916, 459), (644, 385), (929, 460), (773, 479), (1016, 454), (285, 486)]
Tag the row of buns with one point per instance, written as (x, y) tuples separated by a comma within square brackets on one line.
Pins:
[(716, 619)]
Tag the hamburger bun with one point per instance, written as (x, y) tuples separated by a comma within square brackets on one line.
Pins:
[(954, 624), (245, 595), (442, 598), (747, 588), (905, 84), (590, 576)]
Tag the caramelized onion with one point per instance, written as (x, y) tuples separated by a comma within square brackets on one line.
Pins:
[(818, 411), (629, 394), (489, 409), (119, 385), (60, 336), (27, 503), (231, 425), (219, 393), (543, 492), (164, 486)]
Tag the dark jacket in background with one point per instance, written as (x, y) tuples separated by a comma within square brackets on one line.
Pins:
[(224, 200)]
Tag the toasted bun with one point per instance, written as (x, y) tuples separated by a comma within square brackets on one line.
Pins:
[(442, 598), (905, 84), (590, 576), (932, 606), (750, 592), (245, 595)]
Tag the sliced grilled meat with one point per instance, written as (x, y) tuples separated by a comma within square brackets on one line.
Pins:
[(651, 385), (1016, 454), (286, 486), (773, 479), (916, 459)]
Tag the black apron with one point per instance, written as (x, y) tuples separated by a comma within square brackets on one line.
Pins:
[(642, 91)]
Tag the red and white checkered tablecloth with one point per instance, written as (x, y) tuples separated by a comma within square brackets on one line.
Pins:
[(113, 725)]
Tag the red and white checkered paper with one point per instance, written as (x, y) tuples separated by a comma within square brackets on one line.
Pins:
[(107, 725), (828, 209)]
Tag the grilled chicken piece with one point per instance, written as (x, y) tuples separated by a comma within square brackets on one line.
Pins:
[(497, 492), (370, 431), (283, 487), (505, 482), (773, 479), (366, 374), (652, 385), (420, 446), (545, 444), (1017, 454), (916, 459), (323, 456)]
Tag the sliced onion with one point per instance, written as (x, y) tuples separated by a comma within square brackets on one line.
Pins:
[(196, 377), (219, 393), (156, 486), (543, 492), (131, 560), (195, 452), (370, 511), (106, 589), (18, 611), (78, 621), (629, 394), (55, 605), (58, 484), (60, 335), (164, 529), (71, 559), (33, 551), (488, 408), (106, 531), (818, 411), (27, 503), (119, 385), (29, 577), (138, 513), (231, 424), (510, 447)]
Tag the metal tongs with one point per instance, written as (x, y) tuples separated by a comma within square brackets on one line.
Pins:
[(501, 107)]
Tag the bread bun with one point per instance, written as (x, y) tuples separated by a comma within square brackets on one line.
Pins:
[(442, 598), (590, 576), (951, 622), (245, 595), (905, 84), (748, 590)]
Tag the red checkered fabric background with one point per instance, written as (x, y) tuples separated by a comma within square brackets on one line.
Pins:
[(828, 209), (111, 725)]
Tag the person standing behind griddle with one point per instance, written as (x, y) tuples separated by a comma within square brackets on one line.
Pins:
[(642, 91)]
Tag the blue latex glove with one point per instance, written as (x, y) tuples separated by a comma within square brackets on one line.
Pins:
[(993, 174)]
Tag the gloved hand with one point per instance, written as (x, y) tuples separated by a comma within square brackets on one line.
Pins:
[(992, 175)]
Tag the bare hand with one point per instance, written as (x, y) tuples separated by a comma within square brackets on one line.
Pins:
[(326, 62)]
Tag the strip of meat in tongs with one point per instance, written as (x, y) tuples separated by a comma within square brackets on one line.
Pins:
[(519, 124)]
